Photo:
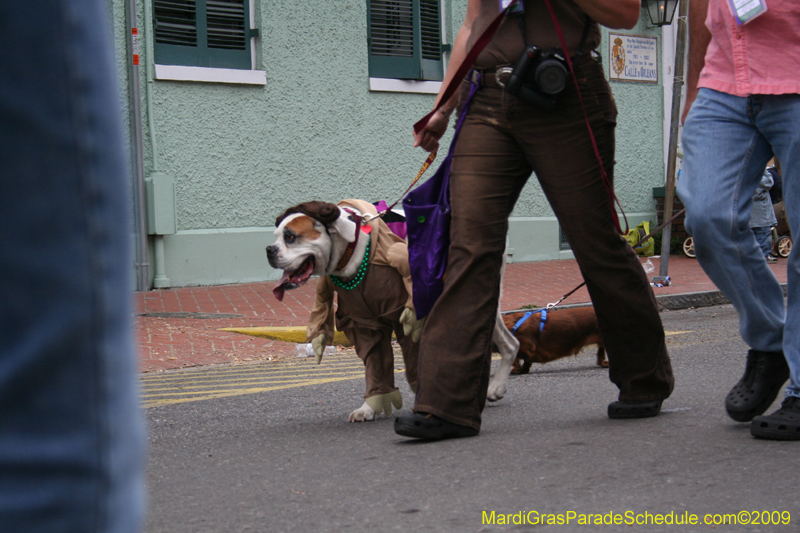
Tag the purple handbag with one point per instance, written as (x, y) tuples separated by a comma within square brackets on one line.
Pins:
[(427, 210)]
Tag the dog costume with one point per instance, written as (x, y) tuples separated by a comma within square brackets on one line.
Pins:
[(370, 312)]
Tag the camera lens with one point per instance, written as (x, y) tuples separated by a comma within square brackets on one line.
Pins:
[(551, 76)]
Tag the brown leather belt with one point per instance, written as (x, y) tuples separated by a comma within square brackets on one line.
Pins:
[(488, 77)]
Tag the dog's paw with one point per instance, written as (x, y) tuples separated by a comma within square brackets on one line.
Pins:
[(496, 391), (412, 326), (604, 363), (365, 413), (318, 344), (382, 403)]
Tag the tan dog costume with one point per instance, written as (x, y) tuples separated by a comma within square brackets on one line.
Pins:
[(369, 313)]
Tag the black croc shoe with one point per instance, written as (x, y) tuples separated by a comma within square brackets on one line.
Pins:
[(429, 427), (620, 410), (764, 375), (783, 424)]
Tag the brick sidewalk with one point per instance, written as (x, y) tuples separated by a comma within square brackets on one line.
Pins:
[(192, 340)]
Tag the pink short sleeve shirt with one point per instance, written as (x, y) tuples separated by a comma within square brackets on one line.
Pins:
[(760, 57)]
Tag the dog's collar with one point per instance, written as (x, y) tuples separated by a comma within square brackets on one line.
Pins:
[(526, 316), (351, 247), (357, 279)]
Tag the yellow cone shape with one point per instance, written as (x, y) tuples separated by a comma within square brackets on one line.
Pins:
[(293, 334)]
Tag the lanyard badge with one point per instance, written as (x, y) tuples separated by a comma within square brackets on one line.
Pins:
[(746, 10), (517, 8)]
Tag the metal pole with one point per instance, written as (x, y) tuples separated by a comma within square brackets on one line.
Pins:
[(137, 152), (669, 198)]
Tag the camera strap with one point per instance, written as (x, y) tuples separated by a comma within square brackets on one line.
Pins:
[(612, 198), (587, 25)]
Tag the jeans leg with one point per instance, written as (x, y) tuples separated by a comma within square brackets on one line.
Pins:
[(725, 156), (71, 431), (764, 239), (778, 119)]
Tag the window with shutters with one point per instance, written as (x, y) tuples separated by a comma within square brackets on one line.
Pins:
[(405, 39), (202, 33)]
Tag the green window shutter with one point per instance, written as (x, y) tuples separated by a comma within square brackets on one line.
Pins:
[(430, 23), (175, 23), (202, 33), (405, 39)]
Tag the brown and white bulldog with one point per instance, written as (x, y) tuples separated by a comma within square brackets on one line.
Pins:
[(374, 293), (357, 257)]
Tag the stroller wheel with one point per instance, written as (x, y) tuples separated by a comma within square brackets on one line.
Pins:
[(784, 246), (688, 247)]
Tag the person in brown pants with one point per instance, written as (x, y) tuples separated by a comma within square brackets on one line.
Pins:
[(503, 140)]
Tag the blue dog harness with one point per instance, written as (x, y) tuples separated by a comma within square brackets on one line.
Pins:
[(526, 316)]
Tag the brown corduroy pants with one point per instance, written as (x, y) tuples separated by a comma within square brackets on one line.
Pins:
[(503, 141)]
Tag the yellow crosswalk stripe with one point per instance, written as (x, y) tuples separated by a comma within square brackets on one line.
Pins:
[(238, 392), (252, 375), (201, 385), (222, 382), (211, 383)]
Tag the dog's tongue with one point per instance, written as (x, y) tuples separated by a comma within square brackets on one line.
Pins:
[(293, 279), (279, 289)]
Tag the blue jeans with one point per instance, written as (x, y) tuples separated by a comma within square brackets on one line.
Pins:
[(727, 142), (71, 430), (764, 239)]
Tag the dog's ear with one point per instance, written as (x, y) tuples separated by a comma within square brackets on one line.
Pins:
[(325, 212), (344, 227)]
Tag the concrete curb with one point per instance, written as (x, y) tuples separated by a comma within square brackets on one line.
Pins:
[(675, 302), (672, 302)]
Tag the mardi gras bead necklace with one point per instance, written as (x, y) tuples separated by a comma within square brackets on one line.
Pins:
[(358, 278)]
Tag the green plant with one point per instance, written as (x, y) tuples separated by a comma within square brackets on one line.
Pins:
[(675, 243)]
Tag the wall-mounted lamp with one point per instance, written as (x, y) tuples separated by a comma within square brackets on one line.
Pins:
[(661, 11)]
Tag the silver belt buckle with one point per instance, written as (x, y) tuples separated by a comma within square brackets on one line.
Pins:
[(505, 72)]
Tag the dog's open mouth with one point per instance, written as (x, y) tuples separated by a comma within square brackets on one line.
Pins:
[(294, 278)]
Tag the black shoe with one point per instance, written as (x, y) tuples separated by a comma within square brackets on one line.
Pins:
[(618, 410), (764, 375), (783, 424), (430, 427)]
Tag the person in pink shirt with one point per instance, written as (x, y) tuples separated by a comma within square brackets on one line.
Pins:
[(743, 107)]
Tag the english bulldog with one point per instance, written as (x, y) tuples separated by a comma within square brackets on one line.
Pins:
[(359, 258)]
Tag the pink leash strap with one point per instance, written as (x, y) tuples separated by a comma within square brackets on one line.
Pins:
[(452, 87)]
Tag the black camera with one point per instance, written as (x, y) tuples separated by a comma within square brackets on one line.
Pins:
[(539, 76)]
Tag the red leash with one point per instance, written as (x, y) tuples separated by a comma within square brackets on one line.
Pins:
[(452, 87), (612, 198), (640, 241)]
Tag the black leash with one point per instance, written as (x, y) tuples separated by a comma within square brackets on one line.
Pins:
[(640, 241)]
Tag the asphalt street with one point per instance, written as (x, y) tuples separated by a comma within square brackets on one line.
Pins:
[(267, 448)]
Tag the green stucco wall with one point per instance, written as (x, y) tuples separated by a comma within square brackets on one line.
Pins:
[(241, 154)]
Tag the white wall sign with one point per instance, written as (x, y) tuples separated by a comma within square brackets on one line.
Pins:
[(633, 58)]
